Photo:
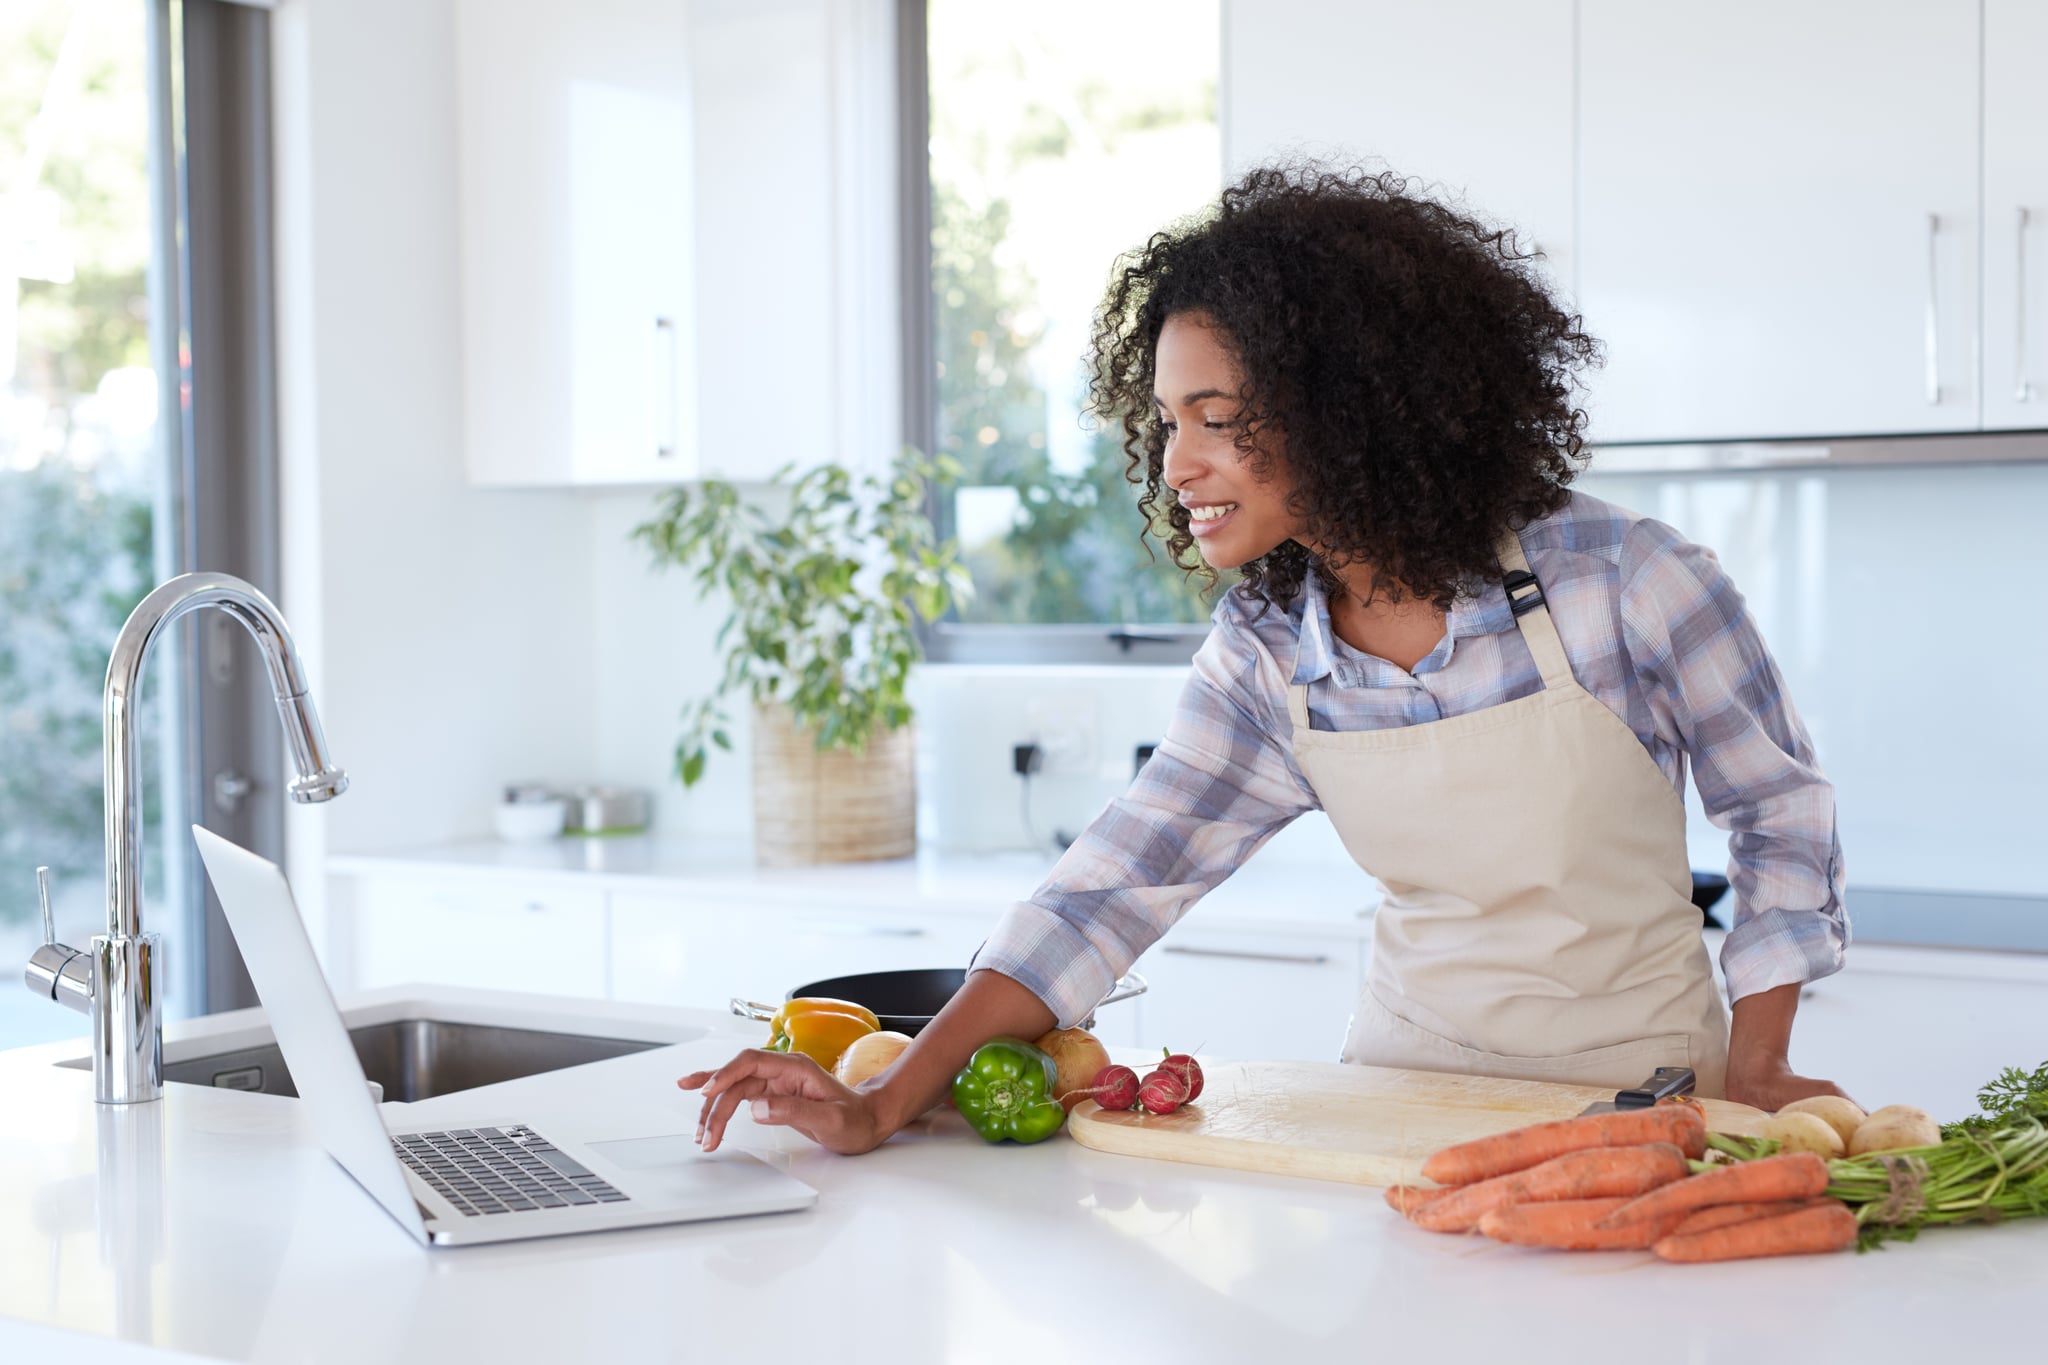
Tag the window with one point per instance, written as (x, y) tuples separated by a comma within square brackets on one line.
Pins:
[(80, 496), (1059, 136), (132, 208)]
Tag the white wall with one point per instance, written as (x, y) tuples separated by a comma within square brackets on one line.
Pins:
[(448, 632), (653, 653)]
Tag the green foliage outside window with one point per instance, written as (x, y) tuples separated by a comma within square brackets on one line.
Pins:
[(76, 490), (1039, 108), (1074, 553)]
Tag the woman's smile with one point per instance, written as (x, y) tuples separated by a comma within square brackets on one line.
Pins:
[(1207, 518)]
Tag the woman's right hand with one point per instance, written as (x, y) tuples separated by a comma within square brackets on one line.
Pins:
[(790, 1090)]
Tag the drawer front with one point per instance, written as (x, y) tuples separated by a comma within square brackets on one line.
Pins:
[(471, 933), (1249, 996)]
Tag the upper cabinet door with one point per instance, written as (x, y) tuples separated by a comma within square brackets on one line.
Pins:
[(1473, 95), (2015, 214), (678, 238), (1779, 217), (575, 151)]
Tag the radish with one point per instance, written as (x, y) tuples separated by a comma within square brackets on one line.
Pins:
[(1116, 1087), (1163, 1092), (1189, 1070)]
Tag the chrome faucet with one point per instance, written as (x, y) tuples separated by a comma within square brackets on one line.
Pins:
[(118, 982)]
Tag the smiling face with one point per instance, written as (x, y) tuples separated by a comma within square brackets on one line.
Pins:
[(1235, 515)]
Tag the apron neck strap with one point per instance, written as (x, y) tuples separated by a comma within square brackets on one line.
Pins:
[(1532, 614)]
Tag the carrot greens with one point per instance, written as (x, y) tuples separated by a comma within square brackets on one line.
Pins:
[(1985, 1169)]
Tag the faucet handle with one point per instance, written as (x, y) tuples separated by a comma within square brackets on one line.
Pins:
[(55, 971)]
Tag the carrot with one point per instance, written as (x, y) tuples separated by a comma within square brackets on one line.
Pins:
[(1503, 1153), (1406, 1199), (1592, 1173), (1794, 1175), (1828, 1226), (1728, 1215), (1569, 1225)]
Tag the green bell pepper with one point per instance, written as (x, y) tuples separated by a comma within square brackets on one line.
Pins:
[(1005, 1092)]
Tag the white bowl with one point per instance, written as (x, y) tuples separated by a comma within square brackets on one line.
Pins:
[(524, 821)]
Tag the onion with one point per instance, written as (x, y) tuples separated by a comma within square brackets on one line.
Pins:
[(869, 1056), (1080, 1057)]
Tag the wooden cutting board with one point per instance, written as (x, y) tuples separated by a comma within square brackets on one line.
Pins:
[(1367, 1125)]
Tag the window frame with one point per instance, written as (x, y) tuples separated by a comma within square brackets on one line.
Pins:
[(1137, 643), (211, 171)]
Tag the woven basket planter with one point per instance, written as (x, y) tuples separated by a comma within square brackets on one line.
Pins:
[(831, 806)]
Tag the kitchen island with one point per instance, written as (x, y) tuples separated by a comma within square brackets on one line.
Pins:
[(212, 1223)]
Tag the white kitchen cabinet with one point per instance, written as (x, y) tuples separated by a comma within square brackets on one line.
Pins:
[(467, 931), (666, 949), (1467, 95), (1779, 216), (575, 157), (1239, 995), (676, 218), (2015, 214)]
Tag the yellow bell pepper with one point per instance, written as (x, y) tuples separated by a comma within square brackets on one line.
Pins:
[(814, 1004), (820, 1028)]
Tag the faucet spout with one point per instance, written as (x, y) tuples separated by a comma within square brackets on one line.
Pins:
[(318, 778), (127, 1005)]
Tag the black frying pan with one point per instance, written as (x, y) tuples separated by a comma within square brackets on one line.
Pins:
[(906, 1001)]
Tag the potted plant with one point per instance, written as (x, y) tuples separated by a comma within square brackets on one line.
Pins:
[(826, 594)]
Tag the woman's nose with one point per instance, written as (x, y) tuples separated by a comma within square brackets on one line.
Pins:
[(1179, 466)]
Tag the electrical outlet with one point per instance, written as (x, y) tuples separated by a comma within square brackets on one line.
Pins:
[(1064, 724)]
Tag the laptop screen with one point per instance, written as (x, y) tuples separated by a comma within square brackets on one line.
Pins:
[(307, 1021)]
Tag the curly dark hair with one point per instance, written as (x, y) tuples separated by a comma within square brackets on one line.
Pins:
[(1402, 359)]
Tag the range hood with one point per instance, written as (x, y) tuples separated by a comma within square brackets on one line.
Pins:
[(1676, 457)]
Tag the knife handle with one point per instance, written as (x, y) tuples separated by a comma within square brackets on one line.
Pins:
[(1663, 1085)]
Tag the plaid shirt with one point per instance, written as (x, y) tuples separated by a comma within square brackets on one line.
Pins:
[(1652, 627)]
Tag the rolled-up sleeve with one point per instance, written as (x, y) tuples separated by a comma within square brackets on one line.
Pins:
[(1219, 785), (1713, 686)]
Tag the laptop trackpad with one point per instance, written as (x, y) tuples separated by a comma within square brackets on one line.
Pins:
[(729, 1181), (639, 1154)]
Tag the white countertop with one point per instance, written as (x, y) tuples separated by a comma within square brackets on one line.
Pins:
[(212, 1223), (1271, 893)]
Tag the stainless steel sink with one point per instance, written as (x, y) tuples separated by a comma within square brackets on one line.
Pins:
[(416, 1059)]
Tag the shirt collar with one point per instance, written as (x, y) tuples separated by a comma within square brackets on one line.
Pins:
[(1321, 654)]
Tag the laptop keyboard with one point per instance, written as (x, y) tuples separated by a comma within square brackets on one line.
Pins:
[(501, 1170)]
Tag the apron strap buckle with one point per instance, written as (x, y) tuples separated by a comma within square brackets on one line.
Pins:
[(1524, 592)]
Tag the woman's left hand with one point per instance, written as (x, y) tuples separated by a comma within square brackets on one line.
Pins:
[(1759, 1041), (1772, 1086)]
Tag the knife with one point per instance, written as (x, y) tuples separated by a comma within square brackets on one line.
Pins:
[(1665, 1083)]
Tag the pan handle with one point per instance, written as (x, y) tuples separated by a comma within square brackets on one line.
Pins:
[(751, 1009), (1127, 985)]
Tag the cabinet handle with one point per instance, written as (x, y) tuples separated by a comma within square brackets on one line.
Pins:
[(863, 930), (2023, 391), (665, 344), (1305, 959), (1933, 311)]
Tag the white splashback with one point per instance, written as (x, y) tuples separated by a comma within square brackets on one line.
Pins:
[(1904, 607)]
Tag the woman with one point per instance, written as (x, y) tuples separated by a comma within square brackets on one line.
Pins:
[(1362, 401)]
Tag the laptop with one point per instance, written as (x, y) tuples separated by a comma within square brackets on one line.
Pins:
[(500, 1182)]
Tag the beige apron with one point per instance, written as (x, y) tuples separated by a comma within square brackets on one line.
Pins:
[(1538, 922)]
